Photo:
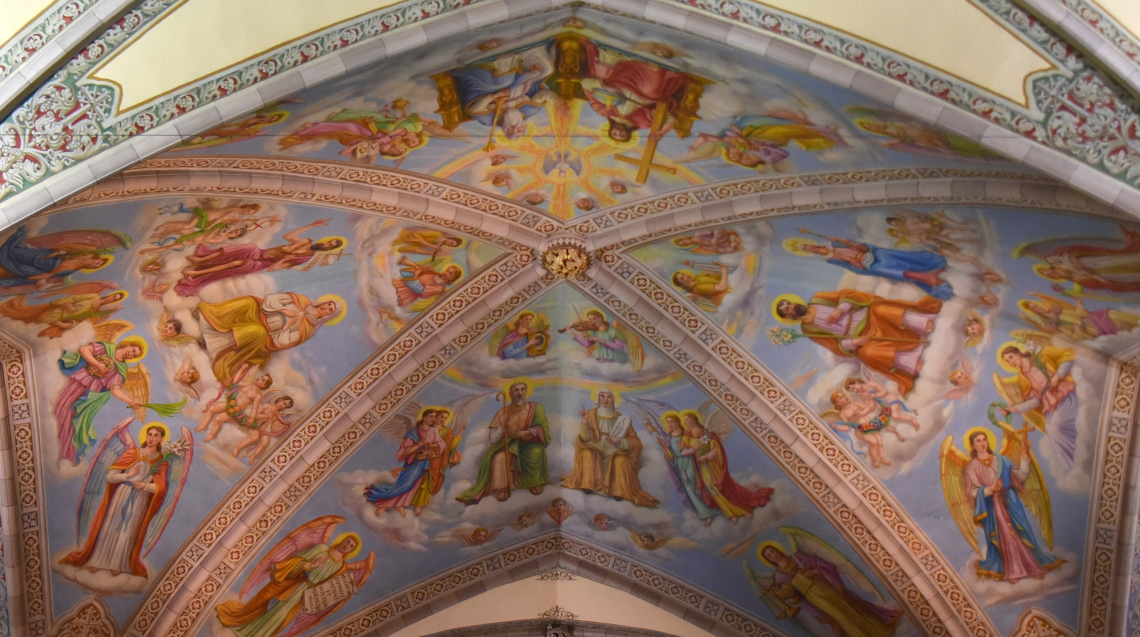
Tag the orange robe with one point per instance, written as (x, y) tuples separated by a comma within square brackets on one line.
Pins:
[(615, 473), (883, 323)]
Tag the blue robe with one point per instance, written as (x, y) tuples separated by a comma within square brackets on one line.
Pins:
[(407, 480), (893, 264), (684, 472), (24, 261), (1018, 516), (474, 82)]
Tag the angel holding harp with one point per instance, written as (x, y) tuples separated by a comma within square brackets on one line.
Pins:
[(997, 493), (816, 578), (306, 577)]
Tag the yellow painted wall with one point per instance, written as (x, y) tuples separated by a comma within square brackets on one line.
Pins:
[(1126, 12), (16, 14)]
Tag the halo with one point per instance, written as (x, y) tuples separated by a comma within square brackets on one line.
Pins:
[(1043, 266), (665, 416), (344, 536), (343, 241), (136, 340), (598, 390), (1001, 361), (674, 241), (792, 244), (795, 298), (696, 414), (989, 437), (634, 140), (123, 292), (518, 316), (450, 414), (516, 380), (338, 317), (462, 240), (108, 259), (160, 425), (765, 544)]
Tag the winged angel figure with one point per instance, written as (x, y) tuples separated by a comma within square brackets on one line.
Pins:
[(129, 494), (814, 576), (306, 578), (997, 493), (77, 303), (96, 372), (429, 438)]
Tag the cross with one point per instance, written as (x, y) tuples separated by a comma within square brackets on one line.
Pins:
[(645, 162)]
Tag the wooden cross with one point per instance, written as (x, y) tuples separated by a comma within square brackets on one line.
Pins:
[(645, 162)]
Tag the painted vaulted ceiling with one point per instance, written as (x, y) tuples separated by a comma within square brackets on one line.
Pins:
[(650, 318)]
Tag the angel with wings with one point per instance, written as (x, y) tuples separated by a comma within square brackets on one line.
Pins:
[(82, 304), (129, 495), (997, 493), (97, 372), (605, 341), (963, 380), (1073, 320), (272, 417), (525, 337), (1042, 391), (649, 542), (209, 213), (470, 537), (706, 287), (428, 447), (526, 519), (367, 136), (306, 560), (186, 377), (169, 330), (47, 261), (815, 577)]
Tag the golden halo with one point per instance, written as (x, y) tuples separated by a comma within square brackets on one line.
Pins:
[(462, 272), (765, 544), (793, 245), (1043, 266), (343, 241), (634, 140), (1001, 361), (989, 437), (123, 292), (160, 425), (691, 412), (340, 301), (665, 416), (794, 298), (598, 390), (344, 536), (462, 240), (515, 381), (450, 414), (108, 259), (135, 340)]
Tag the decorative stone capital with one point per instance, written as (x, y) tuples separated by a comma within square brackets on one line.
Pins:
[(566, 257)]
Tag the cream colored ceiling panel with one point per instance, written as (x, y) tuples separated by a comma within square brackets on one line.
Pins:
[(588, 600), (17, 14), (1125, 12), (954, 36), (202, 37)]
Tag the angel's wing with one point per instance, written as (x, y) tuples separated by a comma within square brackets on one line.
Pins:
[(1049, 247), (110, 331), (118, 441), (464, 408), (300, 539), (1009, 391), (184, 387), (1032, 337), (645, 409), (433, 129), (806, 542), (1035, 495), (678, 542), (636, 539), (89, 239), (540, 322), (179, 454), (1051, 301), (402, 422), (703, 152), (86, 287), (305, 620), (632, 345), (493, 533), (954, 488), (957, 393), (137, 386), (717, 420), (966, 366), (496, 339)]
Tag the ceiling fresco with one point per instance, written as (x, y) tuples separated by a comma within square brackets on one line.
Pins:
[(569, 116), (915, 330), (573, 293)]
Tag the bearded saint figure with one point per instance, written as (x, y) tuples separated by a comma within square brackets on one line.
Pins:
[(607, 453)]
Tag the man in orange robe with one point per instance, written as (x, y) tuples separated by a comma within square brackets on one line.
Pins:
[(886, 335)]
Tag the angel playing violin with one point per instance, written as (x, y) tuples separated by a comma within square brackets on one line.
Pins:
[(97, 372), (997, 493), (129, 495), (307, 559), (605, 341)]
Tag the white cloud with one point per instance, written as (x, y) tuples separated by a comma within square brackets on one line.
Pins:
[(992, 592)]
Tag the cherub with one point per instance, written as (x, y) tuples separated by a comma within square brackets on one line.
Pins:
[(500, 179), (527, 519), (208, 214), (271, 419), (534, 198), (559, 510), (240, 396), (498, 159), (850, 416), (185, 378), (602, 522), (585, 204), (170, 330), (476, 537), (650, 542), (217, 233), (974, 329), (962, 379), (875, 396)]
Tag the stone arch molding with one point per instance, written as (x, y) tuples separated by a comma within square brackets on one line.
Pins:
[(101, 142)]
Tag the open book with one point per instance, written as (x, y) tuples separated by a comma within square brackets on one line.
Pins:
[(328, 593)]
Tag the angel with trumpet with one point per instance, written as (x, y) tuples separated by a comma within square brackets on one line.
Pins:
[(997, 493)]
